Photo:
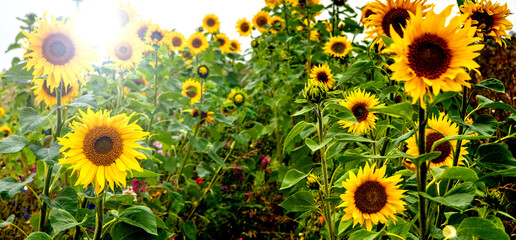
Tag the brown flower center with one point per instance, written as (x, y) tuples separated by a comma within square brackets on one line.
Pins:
[(177, 41), (156, 36), (58, 49), (322, 77), (53, 92), (221, 41), (370, 197), (196, 43), (261, 21), (484, 21), (445, 148), (429, 56), (360, 112), (244, 27), (124, 18), (338, 47), (233, 46), (123, 51), (397, 17), (210, 22), (142, 32), (191, 91), (102, 146), (368, 13)]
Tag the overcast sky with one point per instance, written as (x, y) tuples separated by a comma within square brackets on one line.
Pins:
[(184, 16)]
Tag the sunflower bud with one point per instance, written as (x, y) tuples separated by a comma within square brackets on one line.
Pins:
[(254, 43), (203, 71), (314, 92), (312, 181)]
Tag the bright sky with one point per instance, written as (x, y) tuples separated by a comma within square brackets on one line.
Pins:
[(184, 16)]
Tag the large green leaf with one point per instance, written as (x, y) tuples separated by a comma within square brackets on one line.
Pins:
[(365, 235), (481, 228), (400, 110), (12, 144), (314, 146), (354, 70), (292, 177), (10, 186), (494, 156), (84, 101), (299, 202), (459, 197), (30, 119), (48, 155), (8, 221), (38, 236), (140, 216), (491, 84), (61, 220), (460, 173), (488, 103), (189, 230), (67, 200), (296, 130), (18, 74)]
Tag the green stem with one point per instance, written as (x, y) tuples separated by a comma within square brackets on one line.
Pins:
[(394, 235), (285, 15), (99, 212), (309, 30), (156, 48), (21, 230), (120, 92), (183, 163), (421, 173)]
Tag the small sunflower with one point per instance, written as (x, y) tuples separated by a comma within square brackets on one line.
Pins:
[(370, 198), (102, 149), (228, 108), (203, 71), (5, 131), (367, 11), (56, 51), (489, 19), (2, 111), (243, 27), (176, 41), (337, 46), (43, 93), (277, 24), (211, 23), (237, 96), (141, 30), (261, 19), (192, 89), (234, 46), (272, 3), (197, 43), (156, 35), (205, 116), (322, 74), (438, 127), (393, 13), (126, 52), (126, 14), (432, 56), (223, 41), (357, 102), (339, 2)]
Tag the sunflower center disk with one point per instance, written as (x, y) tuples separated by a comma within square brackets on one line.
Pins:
[(210, 22), (397, 17), (156, 36), (176, 42), (58, 49), (196, 43), (221, 41), (445, 148), (322, 77), (244, 27), (191, 91), (233, 46), (261, 21), (123, 51), (338, 47), (141, 33), (429, 56), (485, 21), (102, 146), (370, 197), (204, 115), (360, 112)]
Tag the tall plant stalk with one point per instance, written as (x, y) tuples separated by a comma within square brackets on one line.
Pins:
[(421, 171)]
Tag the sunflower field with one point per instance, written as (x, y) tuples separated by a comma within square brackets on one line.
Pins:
[(309, 133)]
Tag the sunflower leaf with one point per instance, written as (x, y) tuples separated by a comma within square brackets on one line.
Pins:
[(141, 217), (363, 234), (12, 144), (31, 120), (47, 155), (426, 157), (494, 156), (481, 228), (301, 201), (83, 101), (292, 177), (457, 137), (10, 186), (400, 110), (461, 173), (38, 236), (18, 73), (491, 84), (296, 130), (316, 146), (8, 221)]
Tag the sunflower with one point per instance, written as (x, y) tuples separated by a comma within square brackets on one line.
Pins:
[(203, 71), (175, 40), (339, 2), (205, 116), (211, 23), (237, 96), (234, 46), (141, 30), (357, 102), (438, 127), (126, 51), (322, 74), (126, 14), (197, 43), (489, 19), (43, 93), (395, 14), (370, 198), (156, 35), (55, 50), (2, 111), (261, 19), (272, 3), (277, 24), (228, 108), (367, 11), (140, 82), (5, 131), (102, 149), (192, 89), (433, 57), (223, 41), (243, 27), (337, 46)]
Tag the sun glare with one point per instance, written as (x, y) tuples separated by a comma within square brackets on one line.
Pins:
[(99, 22)]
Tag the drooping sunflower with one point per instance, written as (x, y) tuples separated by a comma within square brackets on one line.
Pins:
[(337, 46), (211, 23), (43, 93), (2, 111), (228, 108), (237, 96), (101, 149), (261, 19), (55, 50), (367, 11), (223, 41), (206, 117), (126, 51), (339, 2), (431, 56), (5, 131), (393, 13), (234, 46), (438, 127), (489, 19), (277, 24), (141, 30), (192, 89), (175, 40), (357, 102), (243, 27), (371, 198), (156, 35), (322, 74), (126, 14), (197, 43), (272, 3), (203, 71)]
